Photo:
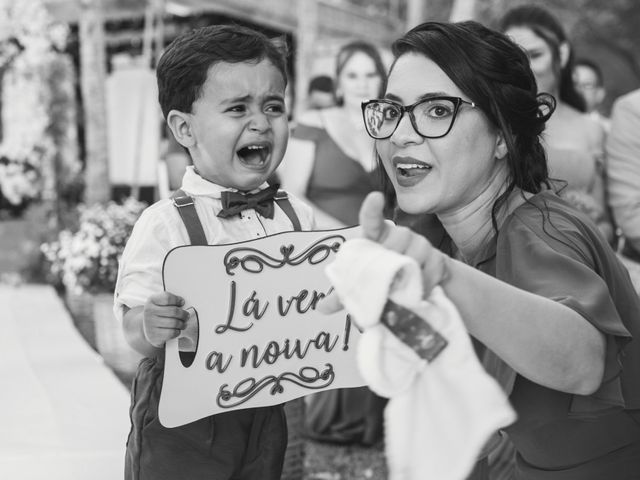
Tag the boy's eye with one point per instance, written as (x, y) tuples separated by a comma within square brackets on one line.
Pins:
[(275, 108), (237, 108)]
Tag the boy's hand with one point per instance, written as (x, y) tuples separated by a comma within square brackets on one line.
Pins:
[(163, 318)]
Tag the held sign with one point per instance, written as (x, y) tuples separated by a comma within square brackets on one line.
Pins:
[(260, 340)]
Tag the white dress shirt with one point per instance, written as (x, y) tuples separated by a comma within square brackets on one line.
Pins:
[(160, 229)]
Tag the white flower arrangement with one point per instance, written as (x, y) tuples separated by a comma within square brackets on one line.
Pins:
[(18, 181), (30, 42), (86, 260)]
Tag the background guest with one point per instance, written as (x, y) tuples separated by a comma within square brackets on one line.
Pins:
[(589, 81), (330, 163), (573, 141), (320, 93), (623, 160)]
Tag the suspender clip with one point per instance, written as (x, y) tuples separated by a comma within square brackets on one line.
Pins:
[(183, 201)]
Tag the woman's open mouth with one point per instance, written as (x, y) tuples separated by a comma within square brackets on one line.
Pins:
[(410, 171)]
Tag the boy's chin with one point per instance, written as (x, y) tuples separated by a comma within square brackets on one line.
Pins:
[(254, 183)]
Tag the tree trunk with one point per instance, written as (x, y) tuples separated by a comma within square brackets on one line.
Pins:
[(463, 10), (92, 77), (416, 13), (306, 37)]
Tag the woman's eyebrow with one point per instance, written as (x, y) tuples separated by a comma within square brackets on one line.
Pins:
[(391, 96), (425, 96)]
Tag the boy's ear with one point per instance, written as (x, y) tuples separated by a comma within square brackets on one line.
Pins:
[(180, 125)]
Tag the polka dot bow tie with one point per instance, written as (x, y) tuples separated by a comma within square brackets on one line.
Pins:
[(262, 202)]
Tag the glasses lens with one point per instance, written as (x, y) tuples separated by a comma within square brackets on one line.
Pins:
[(434, 117), (381, 119)]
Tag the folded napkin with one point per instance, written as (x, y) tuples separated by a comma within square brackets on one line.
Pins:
[(443, 407)]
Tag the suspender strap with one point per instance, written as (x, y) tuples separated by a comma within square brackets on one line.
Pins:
[(282, 199), (187, 210)]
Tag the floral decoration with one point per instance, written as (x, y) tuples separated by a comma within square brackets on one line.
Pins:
[(86, 259), (30, 46)]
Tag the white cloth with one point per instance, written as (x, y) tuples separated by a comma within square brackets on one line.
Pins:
[(134, 124), (440, 414), (160, 229)]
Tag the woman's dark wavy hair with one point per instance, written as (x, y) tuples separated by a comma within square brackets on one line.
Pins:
[(347, 51), (495, 74), (544, 25)]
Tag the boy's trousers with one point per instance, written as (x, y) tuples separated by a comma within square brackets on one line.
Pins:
[(239, 445)]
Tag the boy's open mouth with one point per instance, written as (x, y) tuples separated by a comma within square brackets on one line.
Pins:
[(254, 155)]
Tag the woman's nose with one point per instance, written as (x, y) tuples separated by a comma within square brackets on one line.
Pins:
[(405, 133)]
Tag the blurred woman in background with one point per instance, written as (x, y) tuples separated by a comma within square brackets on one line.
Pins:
[(329, 161), (574, 142)]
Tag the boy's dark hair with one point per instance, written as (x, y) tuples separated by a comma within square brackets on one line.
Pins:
[(182, 68), (321, 83)]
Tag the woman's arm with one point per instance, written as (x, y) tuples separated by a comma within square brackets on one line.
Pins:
[(294, 173), (541, 339)]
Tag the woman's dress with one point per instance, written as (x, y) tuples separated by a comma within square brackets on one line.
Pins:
[(338, 185)]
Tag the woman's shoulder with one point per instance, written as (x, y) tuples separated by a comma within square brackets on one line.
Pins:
[(546, 217)]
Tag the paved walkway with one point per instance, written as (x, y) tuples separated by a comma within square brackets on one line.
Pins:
[(63, 414)]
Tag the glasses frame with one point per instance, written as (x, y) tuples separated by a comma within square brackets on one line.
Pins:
[(457, 101)]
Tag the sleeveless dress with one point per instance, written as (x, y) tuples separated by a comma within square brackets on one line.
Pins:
[(338, 185)]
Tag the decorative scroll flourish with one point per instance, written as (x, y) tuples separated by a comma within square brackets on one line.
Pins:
[(253, 260), (308, 377)]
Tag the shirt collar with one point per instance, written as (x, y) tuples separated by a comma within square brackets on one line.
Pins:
[(194, 184)]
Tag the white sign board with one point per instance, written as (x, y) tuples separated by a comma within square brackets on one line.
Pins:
[(261, 341)]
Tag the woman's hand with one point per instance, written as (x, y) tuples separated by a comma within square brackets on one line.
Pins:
[(402, 240), (398, 239)]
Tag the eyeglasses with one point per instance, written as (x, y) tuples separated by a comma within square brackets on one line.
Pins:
[(431, 118)]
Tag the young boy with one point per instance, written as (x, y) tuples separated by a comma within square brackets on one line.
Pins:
[(221, 90)]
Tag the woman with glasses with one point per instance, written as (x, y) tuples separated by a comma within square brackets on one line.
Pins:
[(551, 309), (573, 140)]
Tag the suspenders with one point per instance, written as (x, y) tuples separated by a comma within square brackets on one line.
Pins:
[(187, 210)]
